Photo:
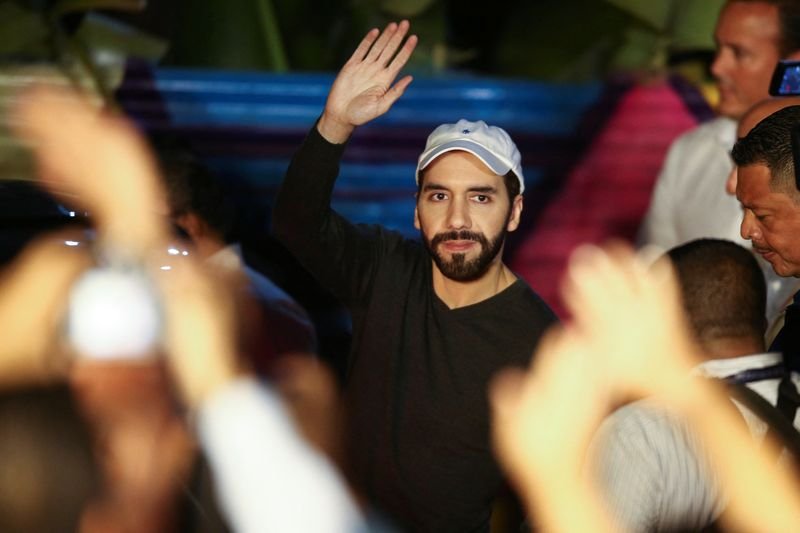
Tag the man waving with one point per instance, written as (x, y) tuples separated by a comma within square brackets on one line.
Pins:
[(432, 320)]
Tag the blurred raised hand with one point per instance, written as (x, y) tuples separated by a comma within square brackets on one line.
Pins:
[(33, 298), (96, 156), (628, 310), (627, 339), (542, 423)]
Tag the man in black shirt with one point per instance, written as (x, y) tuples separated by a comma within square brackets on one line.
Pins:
[(432, 321)]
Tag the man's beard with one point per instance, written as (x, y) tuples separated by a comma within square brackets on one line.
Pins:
[(458, 268)]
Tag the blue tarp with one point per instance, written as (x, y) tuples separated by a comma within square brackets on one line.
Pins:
[(246, 125)]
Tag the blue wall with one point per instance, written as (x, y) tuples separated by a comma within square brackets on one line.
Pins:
[(247, 125)]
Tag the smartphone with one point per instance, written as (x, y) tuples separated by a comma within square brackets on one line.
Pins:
[(785, 79)]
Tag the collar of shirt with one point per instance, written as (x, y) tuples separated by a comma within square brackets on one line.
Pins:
[(228, 258), (722, 368)]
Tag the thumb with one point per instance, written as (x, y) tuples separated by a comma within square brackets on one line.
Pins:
[(395, 92)]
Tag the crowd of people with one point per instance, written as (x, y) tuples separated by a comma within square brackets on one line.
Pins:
[(152, 381)]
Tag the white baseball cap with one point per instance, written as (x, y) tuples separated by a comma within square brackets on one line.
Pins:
[(492, 145)]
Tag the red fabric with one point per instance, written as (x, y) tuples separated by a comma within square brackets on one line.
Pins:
[(607, 193)]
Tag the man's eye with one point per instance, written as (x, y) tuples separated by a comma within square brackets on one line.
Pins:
[(481, 198), (438, 196)]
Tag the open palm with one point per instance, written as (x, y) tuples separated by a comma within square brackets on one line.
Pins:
[(364, 88)]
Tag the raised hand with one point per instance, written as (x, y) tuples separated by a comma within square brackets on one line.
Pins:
[(625, 307), (628, 338), (365, 87), (96, 156), (543, 420)]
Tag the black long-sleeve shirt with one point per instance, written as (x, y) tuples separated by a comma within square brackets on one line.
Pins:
[(418, 371)]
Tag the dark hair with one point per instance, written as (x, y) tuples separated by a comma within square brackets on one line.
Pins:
[(509, 178), (723, 289), (788, 23), (770, 143), (47, 469), (512, 185), (192, 188)]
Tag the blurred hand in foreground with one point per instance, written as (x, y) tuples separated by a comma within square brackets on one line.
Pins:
[(628, 339)]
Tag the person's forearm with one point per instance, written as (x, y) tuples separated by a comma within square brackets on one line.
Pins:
[(267, 476), (303, 201)]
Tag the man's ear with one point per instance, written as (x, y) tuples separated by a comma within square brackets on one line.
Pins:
[(516, 212), (416, 216)]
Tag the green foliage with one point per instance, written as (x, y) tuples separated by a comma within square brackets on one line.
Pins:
[(405, 8), (24, 33), (654, 13), (37, 46), (662, 27), (238, 34), (586, 39), (546, 39), (563, 41), (692, 25)]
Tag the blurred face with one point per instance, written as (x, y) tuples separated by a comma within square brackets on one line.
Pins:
[(463, 213), (747, 36), (771, 220)]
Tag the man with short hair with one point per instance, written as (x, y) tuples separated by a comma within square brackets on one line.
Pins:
[(688, 199), (780, 290), (650, 465), (753, 116), (767, 189), (432, 321), (766, 186)]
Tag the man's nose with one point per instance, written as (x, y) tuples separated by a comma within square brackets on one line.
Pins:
[(749, 229), (720, 64), (458, 214)]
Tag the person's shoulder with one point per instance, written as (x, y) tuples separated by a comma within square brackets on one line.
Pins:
[(394, 248), (520, 294), (391, 238), (721, 130), (528, 291)]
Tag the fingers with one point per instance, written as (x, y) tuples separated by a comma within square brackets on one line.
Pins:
[(393, 44), (382, 42), (33, 291), (395, 92), (364, 46), (381, 48), (505, 390), (584, 283), (200, 336), (631, 315), (402, 56), (598, 278), (99, 157)]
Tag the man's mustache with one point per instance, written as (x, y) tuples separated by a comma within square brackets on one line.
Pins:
[(462, 235)]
